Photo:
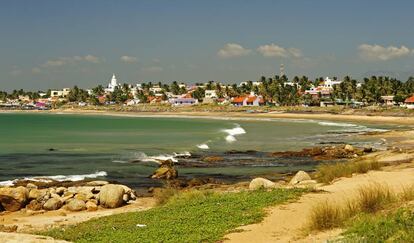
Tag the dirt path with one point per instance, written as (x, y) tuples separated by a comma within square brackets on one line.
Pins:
[(285, 223)]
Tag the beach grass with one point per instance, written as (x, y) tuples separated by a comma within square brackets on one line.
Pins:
[(195, 216), (327, 172), (369, 200), (397, 226)]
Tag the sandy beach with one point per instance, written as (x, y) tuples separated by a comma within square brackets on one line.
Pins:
[(374, 119)]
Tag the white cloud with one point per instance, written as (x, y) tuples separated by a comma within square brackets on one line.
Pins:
[(16, 72), (36, 70), (129, 59), (233, 50), (71, 60), (153, 69), (274, 50), (381, 53)]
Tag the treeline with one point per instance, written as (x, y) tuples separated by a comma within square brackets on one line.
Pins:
[(273, 89)]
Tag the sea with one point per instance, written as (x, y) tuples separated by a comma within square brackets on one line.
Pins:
[(126, 149)]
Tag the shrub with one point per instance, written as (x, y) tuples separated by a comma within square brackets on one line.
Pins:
[(328, 172), (374, 197), (326, 215)]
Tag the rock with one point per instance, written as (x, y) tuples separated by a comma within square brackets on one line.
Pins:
[(76, 205), (165, 171), (125, 197), (61, 190), (54, 195), (31, 186), (258, 183), (349, 148), (111, 196), (36, 212), (13, 199), (38, 193), (97, 183), (94, 201), (91, 206), (307, 184), (368, 149), (213, 159), (35, 205), (84, 197), (52, 204), (300, 176)]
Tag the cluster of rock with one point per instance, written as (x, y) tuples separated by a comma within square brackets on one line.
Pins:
[(300, 180), (326, 153), (165, 171), (76, 198)]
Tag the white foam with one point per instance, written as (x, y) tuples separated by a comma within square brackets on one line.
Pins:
[(238, 130), (336, 124), (57, 178), (230, 139), (203, 146), (183, 154), (232, 133), (156, 159)]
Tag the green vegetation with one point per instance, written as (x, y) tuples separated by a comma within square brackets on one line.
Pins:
[(371, 199), (194, 216), (393, 227), (328, 172)]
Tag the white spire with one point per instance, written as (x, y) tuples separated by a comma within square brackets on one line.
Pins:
[(113, 81)]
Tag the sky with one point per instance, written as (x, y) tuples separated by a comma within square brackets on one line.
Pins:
[(56, 44)]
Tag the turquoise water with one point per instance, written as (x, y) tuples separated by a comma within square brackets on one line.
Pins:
[(50, 144)]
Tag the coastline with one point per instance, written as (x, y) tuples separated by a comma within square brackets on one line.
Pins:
[(373, 119)]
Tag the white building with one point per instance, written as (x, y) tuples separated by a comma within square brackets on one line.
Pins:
[(211, 94), (111, 86), (329, 83), (59, 93)]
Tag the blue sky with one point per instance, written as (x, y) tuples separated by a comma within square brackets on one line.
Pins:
[(55, 44)]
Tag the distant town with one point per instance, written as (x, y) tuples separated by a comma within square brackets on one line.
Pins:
[(273, 91)]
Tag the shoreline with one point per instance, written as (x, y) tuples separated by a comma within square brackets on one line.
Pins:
[(372, 119)]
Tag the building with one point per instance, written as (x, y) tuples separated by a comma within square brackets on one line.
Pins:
[(409, 102), (388, 100), (112, 84), (211, 94), (248, 100), (59, 93)]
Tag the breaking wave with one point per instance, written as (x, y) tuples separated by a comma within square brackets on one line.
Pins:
[(203, 146), (232, 133), (336, 124), (56, 178), (159, 158)]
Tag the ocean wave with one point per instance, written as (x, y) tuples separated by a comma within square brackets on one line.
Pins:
[(156, 158), (56, 178), (336, 124), (233, 132), (203, 146)]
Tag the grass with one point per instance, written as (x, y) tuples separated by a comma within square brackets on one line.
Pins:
[(187, 217), (326, 173), (371, 198), (394, 227)]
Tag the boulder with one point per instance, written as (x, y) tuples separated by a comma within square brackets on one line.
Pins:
[(349, 148), (61, 190), (258, 183), (97, 183), (52, 204), (111, 196), (307, 184), (125, 197), (165, 171), (300, 176), (38, 193), (76, 205), (13, 199), (34, 205), (54, 195), (31, 186), (91, 206), (84, 197)]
